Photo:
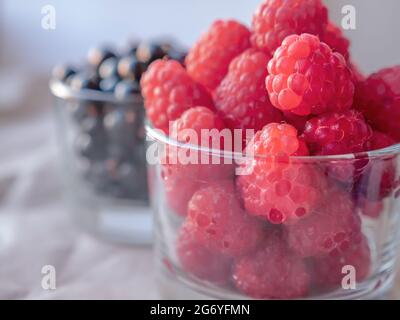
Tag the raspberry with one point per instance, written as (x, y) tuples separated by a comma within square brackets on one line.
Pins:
[(328, 269), (334, 38), (168, 91), (195, 121), (217, 221), (201, 262), (183, 178), (306, 77), (379, 99), (272, 272), (379, 141), (276, 19), (273, 186), (379, 177), (333, 227), (208, 60), (337, 133), (178, 188), (241, 98)]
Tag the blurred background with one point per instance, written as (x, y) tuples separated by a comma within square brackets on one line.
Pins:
[(34, 226)]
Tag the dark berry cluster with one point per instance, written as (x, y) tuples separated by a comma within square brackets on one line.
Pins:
[(110, 139)]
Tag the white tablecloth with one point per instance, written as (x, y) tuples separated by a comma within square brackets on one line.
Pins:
[(36, 230)]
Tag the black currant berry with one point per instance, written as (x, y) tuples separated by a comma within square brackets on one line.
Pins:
[(126, 88), (84, 80), (149, 52), (109, 84), (129, 68), (108, 68), (97, 55)]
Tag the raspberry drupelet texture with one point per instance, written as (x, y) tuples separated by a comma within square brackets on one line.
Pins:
[(337, 133), (272, 185), (241, 99), (276, 19), (327, 270), (188, 128), (183, 178), (168, 91), (201, 262), (217, 221), (335, 39), (272, 272), (378, 98), (306, 77), (332, 227), (208, 60)]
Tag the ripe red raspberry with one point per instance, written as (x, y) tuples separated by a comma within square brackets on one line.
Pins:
[(378, 179), (328, 269), (208, 60), (201, 262), (168, 91), (183, 178), (379, 141), (188, 128), (241, 99), (272, 272), (333, 226), (337, 133), (276, 19), (379, 99), (217, 221), (334, 38), (178, 188), (306, 77), (271, 184)]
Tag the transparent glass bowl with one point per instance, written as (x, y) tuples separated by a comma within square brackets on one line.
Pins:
[(350, 219), (103, 150)]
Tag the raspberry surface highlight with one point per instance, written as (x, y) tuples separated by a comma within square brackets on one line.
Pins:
[(168, 91), (272, 185), (306, 77)]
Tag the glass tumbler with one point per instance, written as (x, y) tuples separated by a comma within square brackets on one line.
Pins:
[(237, 226), (103, 150)]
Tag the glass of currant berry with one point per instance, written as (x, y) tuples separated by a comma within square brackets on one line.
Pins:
[(100, 118)]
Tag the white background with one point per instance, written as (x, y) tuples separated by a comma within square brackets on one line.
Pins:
[(82, 24)]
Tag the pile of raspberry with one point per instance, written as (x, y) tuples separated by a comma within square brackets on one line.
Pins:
[(276, 225)]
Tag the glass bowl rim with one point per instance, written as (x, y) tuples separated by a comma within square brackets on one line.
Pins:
[(61, 90), (158, 135)]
